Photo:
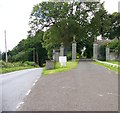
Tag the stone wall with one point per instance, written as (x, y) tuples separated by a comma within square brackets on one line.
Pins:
[(113, 56)]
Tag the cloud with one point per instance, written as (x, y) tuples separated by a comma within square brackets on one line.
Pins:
[(14, 19)]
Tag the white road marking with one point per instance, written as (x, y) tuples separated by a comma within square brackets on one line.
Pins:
[(100, 95), (114, 94), (109, 93), (19, 105), (28, 92), (36, 81), (33, 84)]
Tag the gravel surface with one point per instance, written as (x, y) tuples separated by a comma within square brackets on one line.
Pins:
[(87, 88)]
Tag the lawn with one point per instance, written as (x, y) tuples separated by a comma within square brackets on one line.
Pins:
[(6, 70), (10, 67), (70, 65), (108, 67), (114, 62)]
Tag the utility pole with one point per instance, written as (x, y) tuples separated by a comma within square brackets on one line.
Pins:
[(119, 7), (6, 47)]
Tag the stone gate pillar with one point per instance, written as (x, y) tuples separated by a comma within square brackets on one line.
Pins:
[(56, 55), (95, 51), (74, 49), (61, 50), (107, 53)]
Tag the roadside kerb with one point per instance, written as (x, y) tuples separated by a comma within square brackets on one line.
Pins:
[(109, 64)]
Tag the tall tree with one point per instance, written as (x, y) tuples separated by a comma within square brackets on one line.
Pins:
[(29, 49), (115, 26), (62, 20)]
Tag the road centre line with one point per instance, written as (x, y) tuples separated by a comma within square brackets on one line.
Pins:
[(19, 105), (28, 92)]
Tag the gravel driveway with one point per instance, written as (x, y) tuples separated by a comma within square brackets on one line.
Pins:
[(89, 87)]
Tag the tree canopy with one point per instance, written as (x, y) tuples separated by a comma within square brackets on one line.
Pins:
[(29, 49), (62, 20), (53, 23)]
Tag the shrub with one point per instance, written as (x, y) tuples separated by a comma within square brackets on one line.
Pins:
[(17, 64), (69, 55), (6, 65), (28, 63), (102, 53)]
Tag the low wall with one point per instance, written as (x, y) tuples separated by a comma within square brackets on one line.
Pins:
[(113, 56)]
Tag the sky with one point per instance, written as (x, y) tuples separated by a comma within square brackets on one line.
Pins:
[(14, 18)]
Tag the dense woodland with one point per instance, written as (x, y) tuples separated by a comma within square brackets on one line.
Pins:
[(53, 23)]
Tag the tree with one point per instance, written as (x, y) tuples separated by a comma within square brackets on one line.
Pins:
[(29, 49), (101, 23), (115, 47), (115, 26), (61, 21), (46, 14)]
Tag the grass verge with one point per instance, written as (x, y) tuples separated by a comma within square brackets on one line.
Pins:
[(6, 70), (15, 66), (70, 65), (114, 62), (109, 67)]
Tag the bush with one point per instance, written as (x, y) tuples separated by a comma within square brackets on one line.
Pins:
[(17, 64), (69, 55), (102, 53), (115, 46), (28, 63), (6, 65), (78, 56)]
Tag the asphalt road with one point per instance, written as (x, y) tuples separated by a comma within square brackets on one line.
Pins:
[(15, 85), (88, 88)]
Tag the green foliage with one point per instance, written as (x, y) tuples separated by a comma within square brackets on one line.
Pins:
[(101, 23), (62, 22), (28, 50), (114, 62), (17, 64), (69, 55), (30, 63), (102, 53), (115, 25), (9, 67), (114, 45)]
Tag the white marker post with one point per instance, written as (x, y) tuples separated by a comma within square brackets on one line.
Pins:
[(63, 60)]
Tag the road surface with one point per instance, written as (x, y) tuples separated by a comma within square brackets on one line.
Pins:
[(89, 87), (15, 85)]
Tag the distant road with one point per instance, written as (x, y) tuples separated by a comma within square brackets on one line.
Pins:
[(15, 85)]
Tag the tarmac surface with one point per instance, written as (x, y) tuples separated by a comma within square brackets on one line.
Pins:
[(15, 85), (89, 87)]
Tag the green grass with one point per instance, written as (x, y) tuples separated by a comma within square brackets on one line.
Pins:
[(15, 66), (109, 67), (114, 62), (6, 70), (70, 65)]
